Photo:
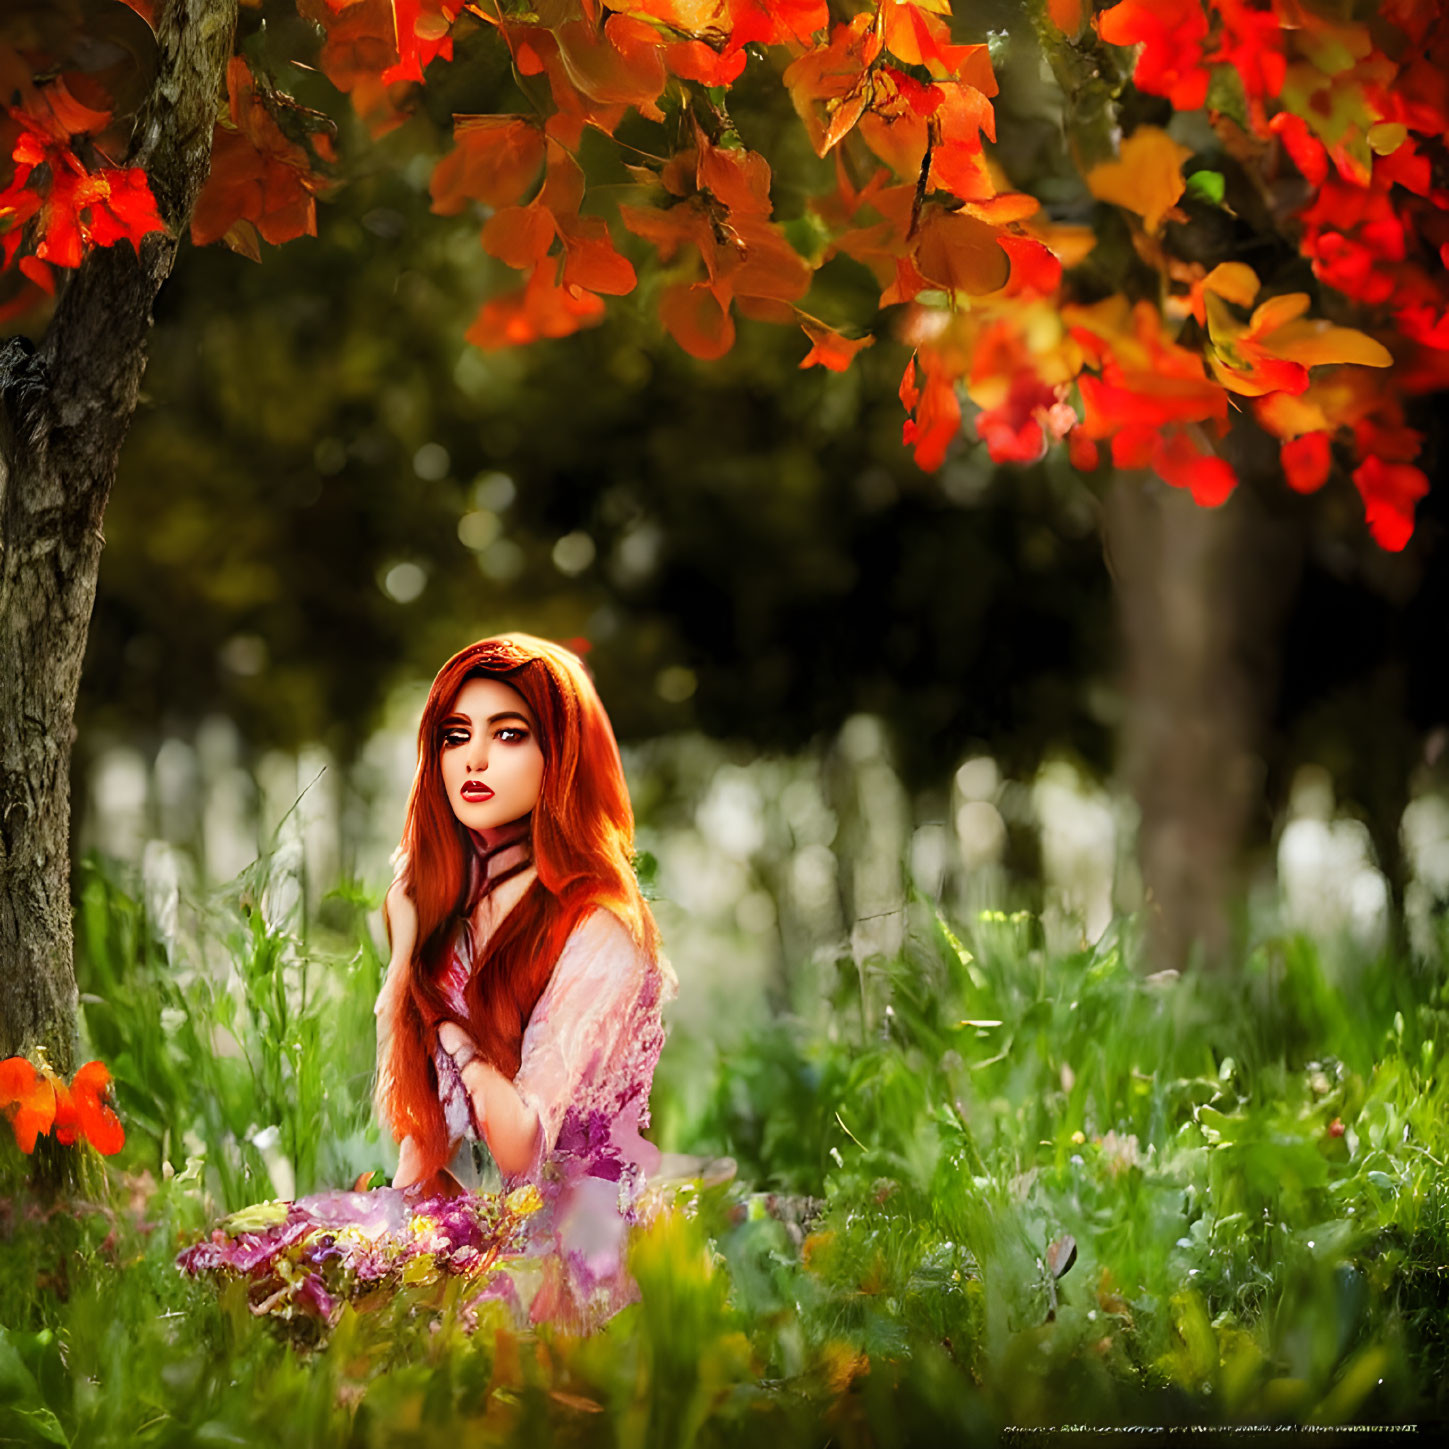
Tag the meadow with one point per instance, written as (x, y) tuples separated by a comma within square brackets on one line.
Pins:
[(999, 1187)]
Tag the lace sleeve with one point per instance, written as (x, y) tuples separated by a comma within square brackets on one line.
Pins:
[(572, 1057)]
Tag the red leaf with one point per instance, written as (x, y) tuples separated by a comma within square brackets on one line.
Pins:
[(1082, 451), (126, 211), (776, 23), (422, 36), (936, 409), (1035, 270), (71, 208), (1390, 491), (257, 173), (1180, 463), (1307, 461)]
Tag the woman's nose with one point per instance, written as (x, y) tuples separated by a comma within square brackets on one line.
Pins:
[(477, 757)]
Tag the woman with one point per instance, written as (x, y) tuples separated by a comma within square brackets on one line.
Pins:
[(521, 1010)]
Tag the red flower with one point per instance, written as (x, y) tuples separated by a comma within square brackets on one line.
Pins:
[(1172, 34), (28, 1099), (85, 1111), (37, 1101)]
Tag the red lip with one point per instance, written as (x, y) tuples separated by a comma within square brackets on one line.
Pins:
[(476, 790)]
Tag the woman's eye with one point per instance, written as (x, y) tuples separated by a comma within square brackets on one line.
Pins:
[(455, 737), (511, 736)]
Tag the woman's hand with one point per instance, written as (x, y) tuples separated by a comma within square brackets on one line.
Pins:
[(508, 1124), (455, 1041), (409, 1164)]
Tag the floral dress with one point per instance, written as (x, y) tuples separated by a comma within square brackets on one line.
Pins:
[(551, 1243)]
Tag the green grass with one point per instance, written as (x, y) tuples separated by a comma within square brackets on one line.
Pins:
[(1251, 1167)]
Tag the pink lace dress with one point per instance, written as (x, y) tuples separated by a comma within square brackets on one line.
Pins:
[(550, 1243)]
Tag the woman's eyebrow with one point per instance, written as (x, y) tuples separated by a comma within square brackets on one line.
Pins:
[(455, 719), (510, 714)]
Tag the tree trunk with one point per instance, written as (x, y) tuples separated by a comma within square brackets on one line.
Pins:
[(64, 411), (1200, 595)]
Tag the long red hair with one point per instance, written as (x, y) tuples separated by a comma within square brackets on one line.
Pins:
[(583, 843)]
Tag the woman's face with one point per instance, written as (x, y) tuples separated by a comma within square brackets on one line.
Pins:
[(489, 754)]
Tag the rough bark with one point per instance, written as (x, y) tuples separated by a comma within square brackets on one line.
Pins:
[(1200, 595), (64, 411)]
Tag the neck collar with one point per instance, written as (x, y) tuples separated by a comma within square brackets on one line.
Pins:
[(498, 855)]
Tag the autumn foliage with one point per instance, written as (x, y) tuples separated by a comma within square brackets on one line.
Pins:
[(37, 1101), (1075, 305)]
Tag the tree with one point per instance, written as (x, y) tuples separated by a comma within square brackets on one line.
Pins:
[(1266, 243)]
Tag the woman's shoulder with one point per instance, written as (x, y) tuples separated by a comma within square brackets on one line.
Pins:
[(604, 947)]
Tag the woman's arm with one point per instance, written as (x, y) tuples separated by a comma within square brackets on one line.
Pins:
[(508, 1124), (400, 917)]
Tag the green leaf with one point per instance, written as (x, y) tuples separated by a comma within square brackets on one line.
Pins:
[(1207, 186)]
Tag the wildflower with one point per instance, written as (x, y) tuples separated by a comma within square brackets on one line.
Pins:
[(28, 1099), (84, 1111), (37, 1101)]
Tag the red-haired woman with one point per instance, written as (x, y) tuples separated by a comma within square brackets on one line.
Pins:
[(523, 993), (521, 1010)]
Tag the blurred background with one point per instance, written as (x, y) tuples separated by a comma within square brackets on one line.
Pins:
[(836, 679)]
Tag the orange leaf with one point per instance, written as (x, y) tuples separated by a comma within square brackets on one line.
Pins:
[(762, 263), (936, 409), (696, 320), (829, 349), (919, 38), (590, 260), (539, 309), (1066, 15), (494, 159), (670, 230), (696, 61), (621, 65), (738, 180), (829, 86), (899, 141), (519, 236), (1148, 177), (960, 254)]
